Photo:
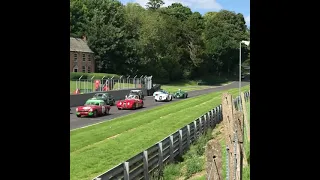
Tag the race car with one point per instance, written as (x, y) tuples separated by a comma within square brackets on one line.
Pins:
[(131, 102), (162, 95), (159, 91), (180, 94), (108, 98), (136, 92), (93, 108)]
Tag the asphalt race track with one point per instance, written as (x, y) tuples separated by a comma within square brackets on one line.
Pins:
[(149, 102)]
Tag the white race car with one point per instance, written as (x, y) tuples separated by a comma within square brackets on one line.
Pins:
[(162, 95)]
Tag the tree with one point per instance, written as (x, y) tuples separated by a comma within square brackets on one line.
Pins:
[(223, 33), (154, 4), (169, 43)]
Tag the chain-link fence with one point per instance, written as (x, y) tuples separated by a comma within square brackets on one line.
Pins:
[(107, 84)]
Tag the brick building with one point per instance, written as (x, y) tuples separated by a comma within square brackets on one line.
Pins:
[(81, 56)]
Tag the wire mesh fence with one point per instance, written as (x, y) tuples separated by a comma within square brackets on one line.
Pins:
[(81, 86)]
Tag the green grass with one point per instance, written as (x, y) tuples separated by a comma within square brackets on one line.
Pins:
[(185, 86), (92, 151)]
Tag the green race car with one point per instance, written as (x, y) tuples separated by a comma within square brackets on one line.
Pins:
[(180, 94), (108, 98)]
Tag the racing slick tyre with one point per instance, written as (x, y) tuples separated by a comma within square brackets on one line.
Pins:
[(94, 114), (171, 98), (119, 108), (155, 100), (186, 95), (106, 112), (78, 116)]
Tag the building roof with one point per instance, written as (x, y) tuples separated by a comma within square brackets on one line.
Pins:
[(79, 45)]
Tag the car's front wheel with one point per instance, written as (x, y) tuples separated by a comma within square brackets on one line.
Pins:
[(94, 113)]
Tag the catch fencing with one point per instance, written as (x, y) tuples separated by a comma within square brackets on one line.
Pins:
[(107, 84), (150, 163)]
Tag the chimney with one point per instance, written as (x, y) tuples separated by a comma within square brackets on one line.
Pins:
[(84, 38)]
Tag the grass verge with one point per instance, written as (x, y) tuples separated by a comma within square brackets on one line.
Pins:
[(95, 149)]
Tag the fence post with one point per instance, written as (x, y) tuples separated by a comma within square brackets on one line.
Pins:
[(205, 127), (180, 143), (188, 136), (216, 115), (92, 84), (119, 82), (145, 165), (101, 82), (134, 81), (195, 130), (79, 83), (141, 81), (209, 119), (246, 123), (111, 83), (126, 171), (200, 125), (213, 117), (171, 148), (160, 156), (128, 83), (220, 112)]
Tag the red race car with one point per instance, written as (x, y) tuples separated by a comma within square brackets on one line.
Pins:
[(94, 108), (131, 102)]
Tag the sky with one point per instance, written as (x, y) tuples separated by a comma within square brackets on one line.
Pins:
[(203, 6)]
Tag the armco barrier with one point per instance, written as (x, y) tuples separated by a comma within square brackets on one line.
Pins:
[(80, 99)]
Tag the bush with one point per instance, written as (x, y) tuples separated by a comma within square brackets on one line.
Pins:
[(194, 165), (172, 171)]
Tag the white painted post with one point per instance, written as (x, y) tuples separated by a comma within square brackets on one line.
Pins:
[(200, 126), (180, 142), (217, 116), (160, 152), (171, 148), (195, 130), (212, 117), (101, 83), (205, 127), (91, 83), (145, 165), (188, 136), (209, 118), (126, 171)]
